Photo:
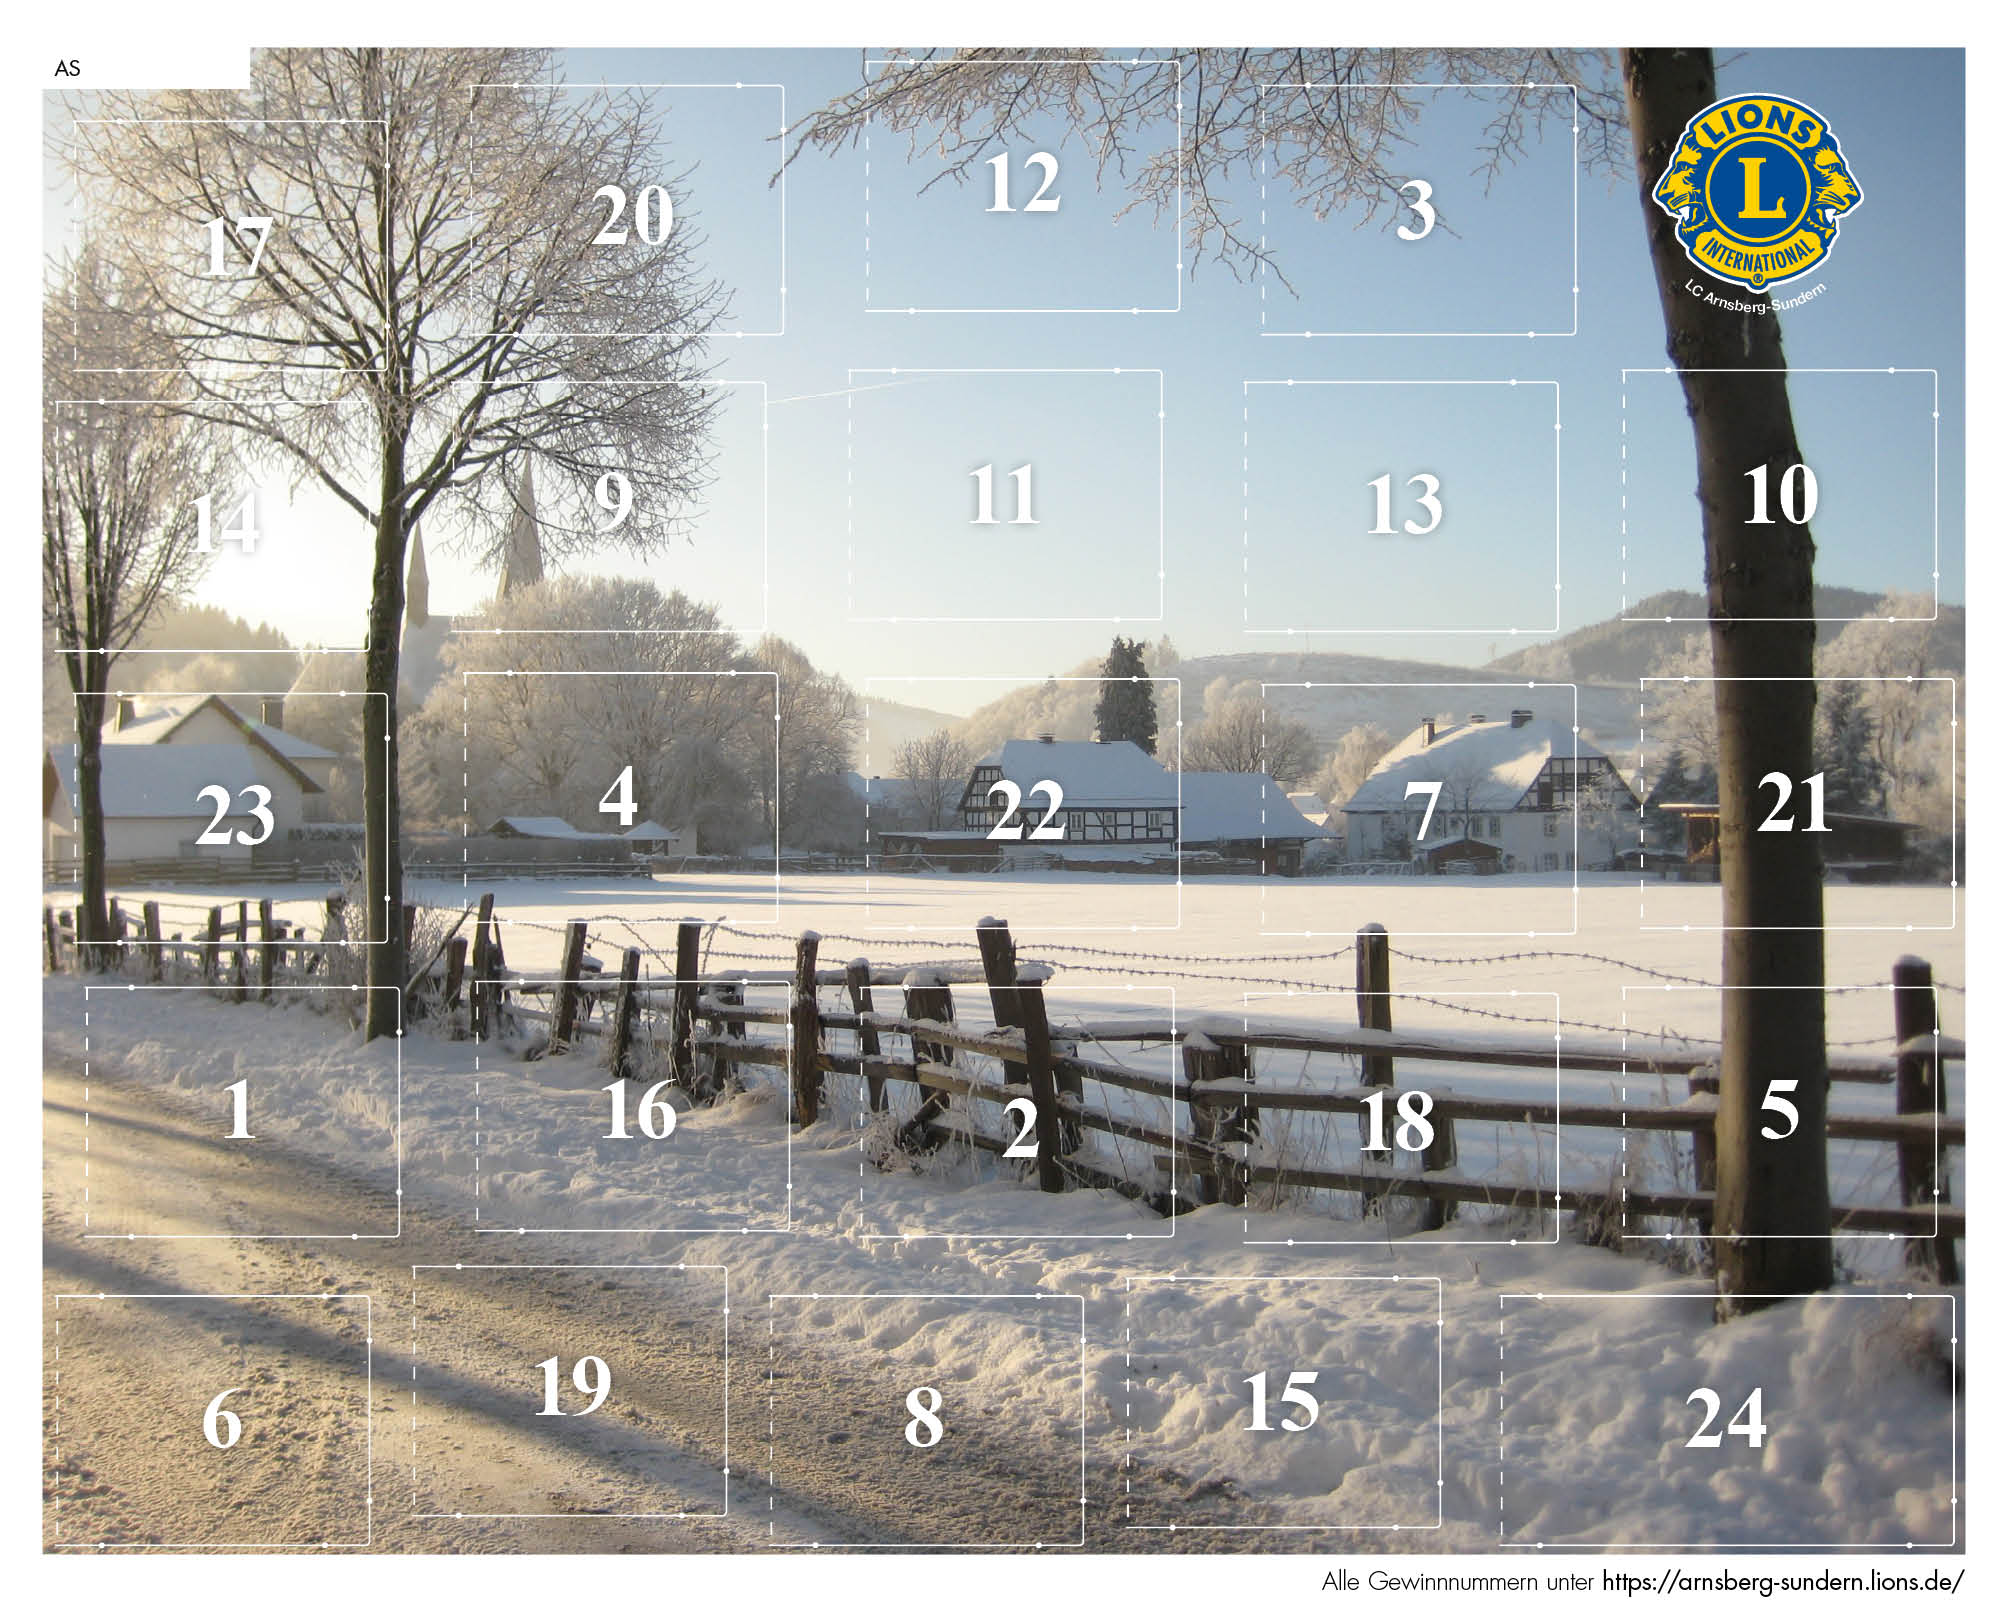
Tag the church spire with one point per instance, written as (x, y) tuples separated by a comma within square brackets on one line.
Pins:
[(417, 587), (523, 553)]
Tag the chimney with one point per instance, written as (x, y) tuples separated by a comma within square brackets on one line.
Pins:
[(272, 712), (1046, 740), (1429, 732), (1522, 716), (1478, 718), (127, 712)]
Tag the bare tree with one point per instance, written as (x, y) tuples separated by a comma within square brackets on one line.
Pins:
[(935, 770), (1240, 736), (117, 540), (1338, 153), (817, 723), (393, 273)]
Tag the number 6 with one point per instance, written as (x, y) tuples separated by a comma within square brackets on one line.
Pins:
[(233, 1428)]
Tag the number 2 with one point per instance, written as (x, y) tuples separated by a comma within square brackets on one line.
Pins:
[(1045, 829), (1024, 1144)]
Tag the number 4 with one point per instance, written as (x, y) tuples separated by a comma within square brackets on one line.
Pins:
[(619, 799)]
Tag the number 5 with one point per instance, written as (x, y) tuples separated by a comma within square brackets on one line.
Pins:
[(1776, 1103)]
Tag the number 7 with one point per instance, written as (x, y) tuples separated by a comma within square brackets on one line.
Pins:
[(1435, 790)]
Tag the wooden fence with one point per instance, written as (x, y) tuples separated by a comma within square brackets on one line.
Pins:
[(710, 1028)]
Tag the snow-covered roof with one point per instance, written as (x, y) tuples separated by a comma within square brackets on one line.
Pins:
[(1240, 807), (546, 827), (649, 830), (155, 718), (1488, 767), (164, 782), (1089, 773)]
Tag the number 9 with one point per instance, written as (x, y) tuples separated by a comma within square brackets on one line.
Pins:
[(615, 495)]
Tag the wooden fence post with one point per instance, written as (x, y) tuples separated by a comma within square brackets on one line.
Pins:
[(1000, 970), (858, 982), (480, 996), (930, 1000), (266, 954), (212, 946), (115, 928), (1440, 1154), (1039, 1075), (1705, 1080), (242, 956), (683, 1007), (456, 972), (55, 942), (565, 1011), (1376, 1012), (804, 1032), (150, 923), (1920, 1089), (1219, 1119), (625, 1001)]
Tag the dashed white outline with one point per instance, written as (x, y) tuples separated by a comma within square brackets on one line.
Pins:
[(1177, 842), (1624, 498), (780, 181), (1432, 1239), (724, 1510), (1575, 224), (852, 615), (1063, 992), (1952, 887), (1575, 812), (397, 1135), (1562, 1297), (369, 1404), (1176, 63), (1514, 630), (1131, 1282), (1081, 1352)]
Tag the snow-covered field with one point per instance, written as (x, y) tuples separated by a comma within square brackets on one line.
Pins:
[(1600, 1353)]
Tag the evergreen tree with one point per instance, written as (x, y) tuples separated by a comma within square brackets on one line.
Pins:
[(1127, 709), (1844, 749)]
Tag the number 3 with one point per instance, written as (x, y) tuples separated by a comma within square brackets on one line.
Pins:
[(1422, 209)]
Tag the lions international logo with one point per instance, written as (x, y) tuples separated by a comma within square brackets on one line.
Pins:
[(1757, 189)]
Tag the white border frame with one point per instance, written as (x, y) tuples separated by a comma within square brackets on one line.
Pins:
[(586, 86), (1127, 1523), (1575, 810), (1837, 1233), (586, 1056), (77, 205), (1536, 1544), (1624, 497), (851, 392), (1575, 220), (1081, 1359), (724, 1510), (466, 815), (220, 885), (1952, 887), (1177, 842), (1417, 1239), (1514, 631), (1057, 990), (1176, 63), (221, 993), (52, 1499), (639, 563)]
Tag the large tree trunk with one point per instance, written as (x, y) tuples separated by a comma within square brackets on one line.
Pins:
[(89, 673), (1772, 1214), (383, 858)]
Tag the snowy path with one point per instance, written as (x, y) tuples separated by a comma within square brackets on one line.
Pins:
[(131, 1385)]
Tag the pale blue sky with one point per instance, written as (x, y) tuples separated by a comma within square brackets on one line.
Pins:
[(870, 494)]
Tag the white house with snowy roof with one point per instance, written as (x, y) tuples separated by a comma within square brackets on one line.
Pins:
[(1107, 803), (189, 777), (1522, 795)]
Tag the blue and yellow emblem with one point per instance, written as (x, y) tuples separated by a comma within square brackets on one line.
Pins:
[(1757, 188)]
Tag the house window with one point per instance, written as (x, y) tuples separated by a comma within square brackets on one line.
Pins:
[(1494, 822), (1548, 828), (1548, 861)]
